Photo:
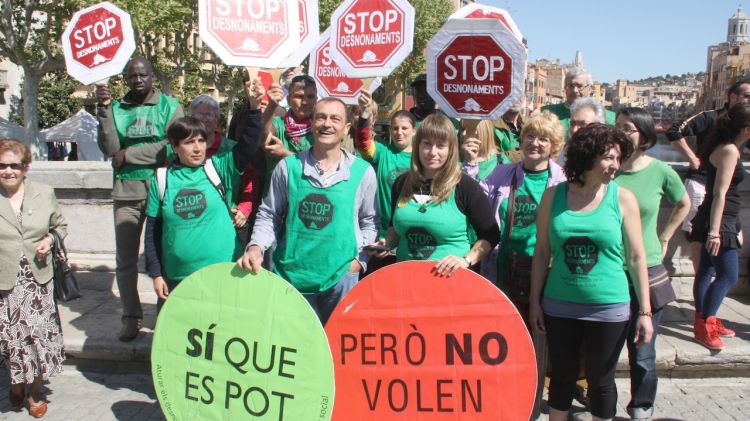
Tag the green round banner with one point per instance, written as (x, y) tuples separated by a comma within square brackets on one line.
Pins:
[(232, 345)]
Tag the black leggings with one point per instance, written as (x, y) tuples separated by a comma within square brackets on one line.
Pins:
[(603, 341)]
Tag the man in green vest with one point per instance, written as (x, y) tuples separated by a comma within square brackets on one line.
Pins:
[(578, 84), (508, 128), (320, 210), (141, 116)]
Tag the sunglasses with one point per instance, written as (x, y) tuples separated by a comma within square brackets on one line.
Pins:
[(14, 166)]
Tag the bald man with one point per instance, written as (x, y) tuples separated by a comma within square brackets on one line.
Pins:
[(141, 116)]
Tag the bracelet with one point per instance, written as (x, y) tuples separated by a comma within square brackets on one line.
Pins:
[(711, 237), (645, 313)]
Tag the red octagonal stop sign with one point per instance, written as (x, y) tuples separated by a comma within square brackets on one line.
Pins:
[(475, 68), (98, 42), (330, 78), (371, 37), (258, 33), (482, 11)]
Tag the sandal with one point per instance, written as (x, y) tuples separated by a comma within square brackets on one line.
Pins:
[(37, 410)]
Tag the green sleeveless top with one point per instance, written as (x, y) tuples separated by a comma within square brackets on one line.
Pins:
[(320, 240), (141, 123), (389, 163), (431, 231), (587, 251)]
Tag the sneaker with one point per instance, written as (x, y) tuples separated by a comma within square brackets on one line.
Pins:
[(130, 328), (710, 339), (723, 330)]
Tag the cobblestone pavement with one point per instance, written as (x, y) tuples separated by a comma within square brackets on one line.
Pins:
[(101, 396)]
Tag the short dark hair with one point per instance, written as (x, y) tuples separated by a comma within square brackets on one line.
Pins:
[(725, 129), (185, 128), (735, 87), (404, 114), (347, 115), (302, 81), (588, 144), (642, 121)]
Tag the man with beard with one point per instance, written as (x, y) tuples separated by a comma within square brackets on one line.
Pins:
[(321, 210), (141, 116)]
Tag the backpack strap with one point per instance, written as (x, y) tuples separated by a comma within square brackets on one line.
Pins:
[(213, 177)]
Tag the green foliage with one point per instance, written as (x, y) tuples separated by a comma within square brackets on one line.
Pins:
[(56, 103), (327, 7)]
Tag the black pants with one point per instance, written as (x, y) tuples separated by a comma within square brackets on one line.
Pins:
[(603, 341)]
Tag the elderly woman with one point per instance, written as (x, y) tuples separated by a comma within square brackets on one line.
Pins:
[(31, 343), (520, 186), (589, 229)]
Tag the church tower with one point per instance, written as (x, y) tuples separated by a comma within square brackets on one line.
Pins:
[(737, 28)]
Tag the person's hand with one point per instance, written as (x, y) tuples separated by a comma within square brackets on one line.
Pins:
[(251, 260), (355, 266), (695, 163), (103, 96), (238, 218), (470, 149), (448, 265), (274, 147), (380, 254), (644, 330), (713, 244), (275, 94), (43, 249), (118, 159), (536, 318), (254, 92), (365, 104), (161, 288), (740, 237)]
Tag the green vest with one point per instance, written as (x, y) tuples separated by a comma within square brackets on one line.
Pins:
[(141, 123), (320, 240), (431, 231), (587, 251)]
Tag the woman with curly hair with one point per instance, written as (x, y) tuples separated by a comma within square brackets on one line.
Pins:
[(590, 229)]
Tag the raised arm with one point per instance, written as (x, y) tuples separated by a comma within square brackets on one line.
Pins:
[(250, 136)]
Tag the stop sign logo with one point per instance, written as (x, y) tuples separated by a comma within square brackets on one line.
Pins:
[(475, 68), (98, 42), (371, 37), (330, 77), (258, 33), (481, 11)]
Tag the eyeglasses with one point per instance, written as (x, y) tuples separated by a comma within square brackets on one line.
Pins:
[(542, 140), (16, 166), (628, 130), (577, 86)]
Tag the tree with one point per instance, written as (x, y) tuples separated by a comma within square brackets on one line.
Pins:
[(56, 101), (30, 31)]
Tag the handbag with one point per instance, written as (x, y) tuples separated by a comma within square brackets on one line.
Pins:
[(660, 287), (65, 282), (517, 277)]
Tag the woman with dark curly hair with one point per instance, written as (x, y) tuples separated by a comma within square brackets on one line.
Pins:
[(589, 228), (716, 224)]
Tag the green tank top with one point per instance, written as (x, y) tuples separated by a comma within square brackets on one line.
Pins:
[(587, 251), (141, 123), (431, 231), (389, 163), (320, 240)]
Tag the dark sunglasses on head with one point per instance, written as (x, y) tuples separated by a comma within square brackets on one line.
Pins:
[(14, 166)]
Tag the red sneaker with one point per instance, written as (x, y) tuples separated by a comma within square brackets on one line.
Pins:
[(709, 336), (723, 330)]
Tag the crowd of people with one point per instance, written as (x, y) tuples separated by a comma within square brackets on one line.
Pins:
[(558, 209)]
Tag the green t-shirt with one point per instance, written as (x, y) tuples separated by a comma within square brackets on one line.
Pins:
[(562, 111), (431, 231), (587, 251), (649, 185), (389, 163), (523, 236), (197, 229), (506, 140)]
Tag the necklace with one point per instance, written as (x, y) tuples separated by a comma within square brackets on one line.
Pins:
[(319, 168)]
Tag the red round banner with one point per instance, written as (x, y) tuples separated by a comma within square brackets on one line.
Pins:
[(408, 344)]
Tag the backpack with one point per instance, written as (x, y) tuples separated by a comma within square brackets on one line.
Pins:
[(211, 173)]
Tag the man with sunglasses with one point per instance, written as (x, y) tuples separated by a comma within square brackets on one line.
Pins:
[(700, 125), (140, 117), (578, 84)]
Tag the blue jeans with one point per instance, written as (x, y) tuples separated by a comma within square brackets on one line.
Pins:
[(643, 377), (709, 295), (324, 302)]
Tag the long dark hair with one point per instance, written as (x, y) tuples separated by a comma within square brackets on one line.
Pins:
[(726, 128)]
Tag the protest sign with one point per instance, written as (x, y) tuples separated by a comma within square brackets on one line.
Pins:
[(331, 79), (410, 345), (475, 68), (257, 33), (309, 33), (371, 38), (98, 42), (482, 11), (230, 344)]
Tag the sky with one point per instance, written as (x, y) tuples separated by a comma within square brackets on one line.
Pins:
[(625, 39)]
